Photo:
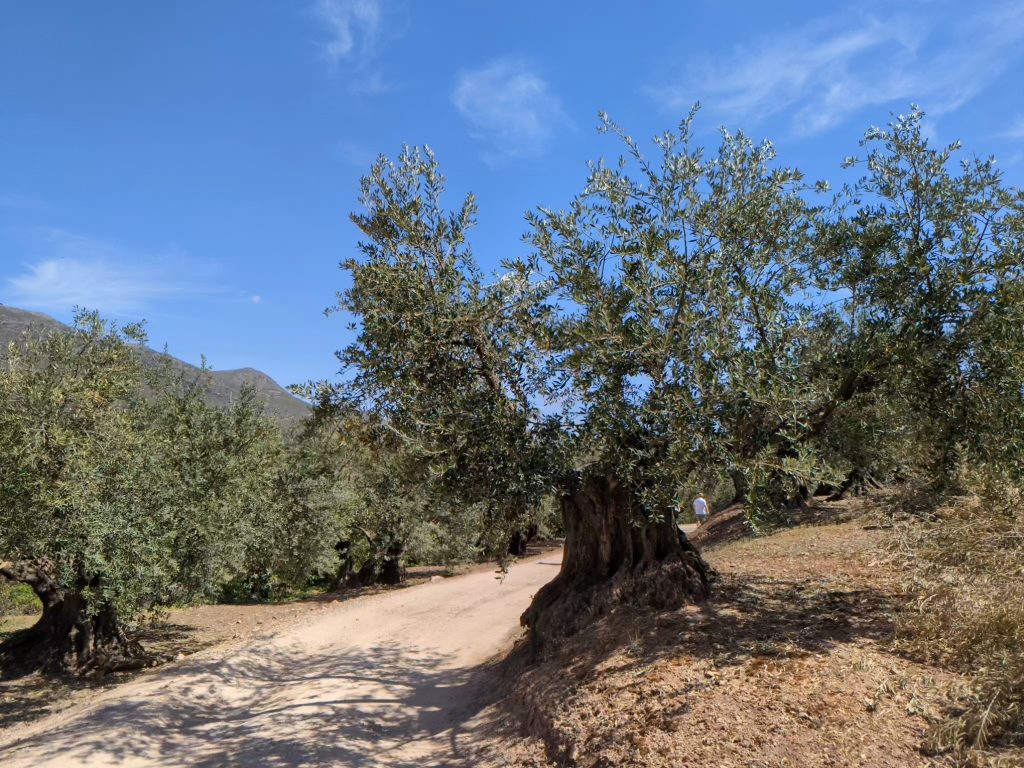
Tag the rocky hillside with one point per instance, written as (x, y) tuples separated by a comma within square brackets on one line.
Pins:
[(224, 387)]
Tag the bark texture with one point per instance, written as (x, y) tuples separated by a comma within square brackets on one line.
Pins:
[(346, 563), (70, 636), (609, 560)]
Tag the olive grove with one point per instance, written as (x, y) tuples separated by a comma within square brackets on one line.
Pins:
[(692, 317), (122, 491), (692, 313)]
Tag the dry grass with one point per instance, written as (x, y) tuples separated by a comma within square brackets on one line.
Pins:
[(790, 664), (963, 560)]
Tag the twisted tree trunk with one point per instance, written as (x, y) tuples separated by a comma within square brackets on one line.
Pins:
[(71, 635), (346, 563), (384, 566), (740, 484), (855, 483), (520, 539), (609, 559)]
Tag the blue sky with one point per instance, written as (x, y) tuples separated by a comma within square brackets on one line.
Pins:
[(193, 163)]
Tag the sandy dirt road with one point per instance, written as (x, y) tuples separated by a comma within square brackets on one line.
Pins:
[(394, 679)]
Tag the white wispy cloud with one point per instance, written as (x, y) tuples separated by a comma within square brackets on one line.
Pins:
[(509, 108), (76, 270), (352, 27), (1015, 131), (829, 69)]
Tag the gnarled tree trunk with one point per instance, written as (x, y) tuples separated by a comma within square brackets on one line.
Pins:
[(70, 636), (741, 487), (346, 564), (387, 567), (856, 482), (610, 560), (519, 540)]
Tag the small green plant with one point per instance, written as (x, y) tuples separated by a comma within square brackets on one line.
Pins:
[(17, 599)]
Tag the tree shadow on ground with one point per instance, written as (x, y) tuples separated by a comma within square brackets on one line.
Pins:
[(785, 613), (28, 693), (759, 617), (750, 619), (278, 707), (32, 696), (730, 524)]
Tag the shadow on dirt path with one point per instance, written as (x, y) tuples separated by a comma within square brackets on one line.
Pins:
[(386, 681), (368, 706)]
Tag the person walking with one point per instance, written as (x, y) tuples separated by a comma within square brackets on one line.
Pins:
[(700, 509)]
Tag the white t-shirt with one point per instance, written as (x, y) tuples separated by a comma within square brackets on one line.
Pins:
[(700, 507)]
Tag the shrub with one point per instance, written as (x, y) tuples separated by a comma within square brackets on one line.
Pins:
[(17, 599)]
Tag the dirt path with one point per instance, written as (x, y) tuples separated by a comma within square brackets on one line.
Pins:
[(388, 680)]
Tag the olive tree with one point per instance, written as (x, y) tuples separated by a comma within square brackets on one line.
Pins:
[(115, 497), (217, 475), (927, 254), (373, 489), (693, 315), (75, 526), (601, 366)]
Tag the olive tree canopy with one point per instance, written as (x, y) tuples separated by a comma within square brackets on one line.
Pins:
[(694, 314)]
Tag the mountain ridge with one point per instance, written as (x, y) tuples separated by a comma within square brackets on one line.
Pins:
[(225, 386)]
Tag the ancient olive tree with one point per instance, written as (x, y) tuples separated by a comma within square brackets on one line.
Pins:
[(655, 319), (375, 492), (693, 315), (685, 315), (116, 498)]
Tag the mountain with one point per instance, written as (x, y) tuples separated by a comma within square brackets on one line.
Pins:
[(225, 386)]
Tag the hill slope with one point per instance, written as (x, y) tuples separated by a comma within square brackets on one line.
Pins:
[(224, 386), (791, 663)]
